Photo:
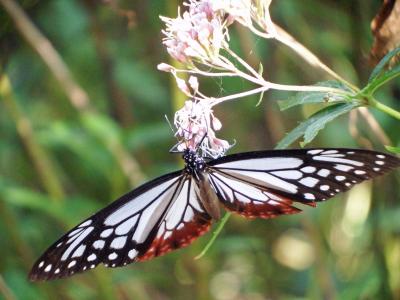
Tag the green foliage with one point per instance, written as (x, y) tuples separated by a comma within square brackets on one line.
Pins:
[(393, 149), (351, 255), (381, 74), (342, 95), (310, 127)]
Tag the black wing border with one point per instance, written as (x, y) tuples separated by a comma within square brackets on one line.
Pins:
[(395, 161)]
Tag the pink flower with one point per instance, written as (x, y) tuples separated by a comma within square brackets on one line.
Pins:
[(198, 34), (196, 126)]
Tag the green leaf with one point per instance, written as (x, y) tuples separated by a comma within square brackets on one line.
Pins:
[(381, 66), (62, 135), (26, 198), (70, 212), (317, 97), (393, 149), (101, 127), (147, 135), (310, 127), (380, 75)]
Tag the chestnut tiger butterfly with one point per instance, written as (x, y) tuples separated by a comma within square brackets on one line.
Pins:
[(171, 211)]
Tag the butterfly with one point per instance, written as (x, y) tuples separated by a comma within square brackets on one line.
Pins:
[(171, 211)]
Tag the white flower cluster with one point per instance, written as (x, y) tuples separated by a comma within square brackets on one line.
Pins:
[(196, 126), (198, 34), (202, 31), (196, 38), (237, 10)]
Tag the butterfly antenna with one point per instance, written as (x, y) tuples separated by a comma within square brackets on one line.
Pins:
[(174, 148), (170, 124)]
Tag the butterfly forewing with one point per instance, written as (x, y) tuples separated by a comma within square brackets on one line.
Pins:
[(278, 177), (159, 216)]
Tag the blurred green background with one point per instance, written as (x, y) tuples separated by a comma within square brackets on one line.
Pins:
[(60, 162)]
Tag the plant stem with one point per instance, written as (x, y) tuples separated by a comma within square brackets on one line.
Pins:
[(215, 235), (40, 159), (384, 108)]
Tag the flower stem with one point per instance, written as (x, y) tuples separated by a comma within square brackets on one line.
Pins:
[(384, 108), (217, 231)]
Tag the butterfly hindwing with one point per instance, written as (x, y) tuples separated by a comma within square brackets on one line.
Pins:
[(248, 199), (153, 219), (184, 221), (281, 176)]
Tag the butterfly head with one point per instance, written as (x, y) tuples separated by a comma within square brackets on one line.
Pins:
[(193, 161)]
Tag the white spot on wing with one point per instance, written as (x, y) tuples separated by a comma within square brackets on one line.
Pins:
[(92, 257), (332, 155), (243, 188), (359, 172), (188, 215), (99, 244), (137, 204), (71, 264), (309, 181), (86, 223), (118, 242), (314, 151), (193, 201), (126, 226), (132, 253), (344, 168), (106, 233), (267, 180), (309, 196), (74, 232), (293, 174), (175, 213), (338, 160), (79, 239), (48, 268), (41, 264), (308, 169), (264, 164), (340, 178), (324, 187), (380, 162), (324, 172), (113, 256), (330, 152), (151, 215), (79, 251)]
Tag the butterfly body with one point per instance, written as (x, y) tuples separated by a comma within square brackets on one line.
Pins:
[(194, 163), (195, 166), (173, 210)]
